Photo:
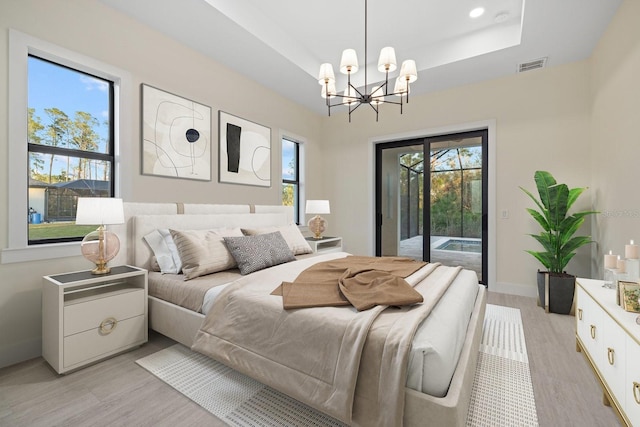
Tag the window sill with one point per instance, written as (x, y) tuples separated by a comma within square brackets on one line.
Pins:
[(40, 252)]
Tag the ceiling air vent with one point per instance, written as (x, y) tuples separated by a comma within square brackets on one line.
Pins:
[(532, 65)]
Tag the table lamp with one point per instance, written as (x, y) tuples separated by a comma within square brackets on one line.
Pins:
[(317, 224), (100, 246)]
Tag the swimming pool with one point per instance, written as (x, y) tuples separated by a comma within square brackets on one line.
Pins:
[(461, 245)]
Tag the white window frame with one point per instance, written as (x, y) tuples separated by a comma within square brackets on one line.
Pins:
[(301, 172), (22, 45)]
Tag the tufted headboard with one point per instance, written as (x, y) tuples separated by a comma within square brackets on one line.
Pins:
[(142, 218)]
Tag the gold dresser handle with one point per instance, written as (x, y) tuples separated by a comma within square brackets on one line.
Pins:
[(636, 392), (610, 355), (108, 325), (580, 314), (593, 331)]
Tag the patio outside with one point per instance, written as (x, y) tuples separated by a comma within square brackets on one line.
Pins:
[(455, 206), (412, 248)]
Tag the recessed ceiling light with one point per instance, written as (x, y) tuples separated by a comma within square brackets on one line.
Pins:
[(477, 12)]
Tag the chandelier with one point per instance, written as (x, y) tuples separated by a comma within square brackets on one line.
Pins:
[(352, 97)]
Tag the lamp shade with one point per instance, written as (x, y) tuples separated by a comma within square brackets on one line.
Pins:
[(387, 60), (317, 207), (400, 89), (99, 211), (332, 90), (326, 74), (377, 95), (349, 61), (350, 95), (409, 71)]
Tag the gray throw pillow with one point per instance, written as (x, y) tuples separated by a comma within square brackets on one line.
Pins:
[(253, 253)]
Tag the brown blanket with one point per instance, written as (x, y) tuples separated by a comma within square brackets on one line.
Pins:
[(361, 281)]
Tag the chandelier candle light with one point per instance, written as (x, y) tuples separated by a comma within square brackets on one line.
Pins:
[(100, 246), (317, 225), (352, 96)]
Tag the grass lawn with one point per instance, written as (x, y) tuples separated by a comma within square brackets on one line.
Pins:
[(55, 230)]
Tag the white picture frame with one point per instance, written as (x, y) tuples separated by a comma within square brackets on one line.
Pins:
[(176, 136), (244, 151)]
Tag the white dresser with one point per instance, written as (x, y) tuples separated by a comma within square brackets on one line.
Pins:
[(86, 317), (609, 337)]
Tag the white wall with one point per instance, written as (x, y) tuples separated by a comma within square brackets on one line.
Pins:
[(615, 86), (90, 28)]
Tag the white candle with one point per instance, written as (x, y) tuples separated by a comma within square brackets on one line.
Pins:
[(631, 251), (621, 265), (610, 261)]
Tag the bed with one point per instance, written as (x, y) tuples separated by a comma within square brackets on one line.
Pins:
[(417, 402)]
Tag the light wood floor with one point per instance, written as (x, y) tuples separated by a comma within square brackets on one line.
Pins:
[(117, 392)]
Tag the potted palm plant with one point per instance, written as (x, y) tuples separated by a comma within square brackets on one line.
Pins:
[(556, 286)]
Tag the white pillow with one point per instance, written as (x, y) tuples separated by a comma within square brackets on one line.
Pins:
[(173, 249), (165, 251), (291, 233)]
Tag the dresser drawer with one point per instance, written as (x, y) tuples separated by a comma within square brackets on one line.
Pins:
[(613, 356), (93, 343), (589, 325), (88, 313), (582, 314), (632, 382)]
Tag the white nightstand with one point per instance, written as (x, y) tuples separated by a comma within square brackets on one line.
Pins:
[(326, 244), (87, 317)]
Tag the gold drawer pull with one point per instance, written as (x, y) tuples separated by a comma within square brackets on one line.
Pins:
[(580, 313), (593, 331), (108, 325), (636, 392), (610, 355)]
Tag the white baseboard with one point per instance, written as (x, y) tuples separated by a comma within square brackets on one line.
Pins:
[(20, 352), (515, 289)]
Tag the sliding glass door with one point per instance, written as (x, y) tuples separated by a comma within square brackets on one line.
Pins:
[(431, 199)]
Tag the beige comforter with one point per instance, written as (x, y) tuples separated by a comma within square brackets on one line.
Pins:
[(316, 354)]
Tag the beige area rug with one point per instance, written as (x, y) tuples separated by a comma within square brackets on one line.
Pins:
[(502, 392)]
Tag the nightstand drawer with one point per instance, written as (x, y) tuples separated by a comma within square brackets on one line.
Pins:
[(87, 313), (95, 343)]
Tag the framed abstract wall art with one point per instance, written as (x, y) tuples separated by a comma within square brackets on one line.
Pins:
[(176, 136), (244, 151)]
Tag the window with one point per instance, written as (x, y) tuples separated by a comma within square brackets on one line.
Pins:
[(70, 145), (291, 176), (29, 155)]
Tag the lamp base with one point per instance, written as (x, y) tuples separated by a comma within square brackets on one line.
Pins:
[(317, 225), (100, 247), (101, 269)]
